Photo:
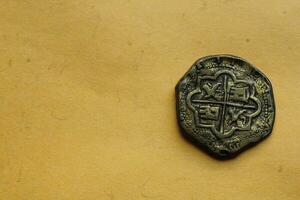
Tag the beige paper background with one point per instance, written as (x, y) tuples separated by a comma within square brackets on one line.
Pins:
[(87, 106)]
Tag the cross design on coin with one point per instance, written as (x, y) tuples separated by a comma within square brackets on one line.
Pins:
[(223, 103)]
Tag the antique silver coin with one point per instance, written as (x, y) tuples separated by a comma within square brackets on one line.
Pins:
[(225, 105)]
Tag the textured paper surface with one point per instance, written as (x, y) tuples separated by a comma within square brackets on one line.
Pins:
[(87, 104)]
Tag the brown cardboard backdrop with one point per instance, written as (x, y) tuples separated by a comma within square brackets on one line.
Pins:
[(87, 106)]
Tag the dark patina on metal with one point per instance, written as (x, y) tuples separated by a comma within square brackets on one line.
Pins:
[(225, 105)]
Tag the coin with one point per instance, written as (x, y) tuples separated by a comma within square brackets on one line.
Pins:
[(225, 105)]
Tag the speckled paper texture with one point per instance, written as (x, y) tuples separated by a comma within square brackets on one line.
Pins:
[(87, 100)]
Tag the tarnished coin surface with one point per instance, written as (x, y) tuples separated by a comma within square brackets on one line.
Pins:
[(224, 104)]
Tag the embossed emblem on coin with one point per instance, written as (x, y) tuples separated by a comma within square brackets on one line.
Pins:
[(225, 104)]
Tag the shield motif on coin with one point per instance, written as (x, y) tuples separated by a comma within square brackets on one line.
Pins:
[(225, 104)]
